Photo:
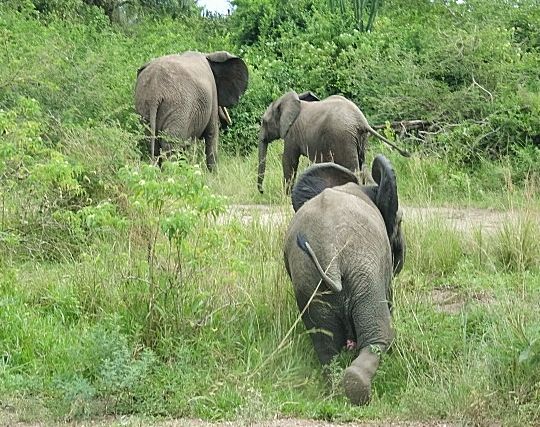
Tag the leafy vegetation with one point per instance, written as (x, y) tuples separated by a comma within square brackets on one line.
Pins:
[(126, 289)]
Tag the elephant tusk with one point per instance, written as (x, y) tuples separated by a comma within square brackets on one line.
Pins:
[(225, 115)]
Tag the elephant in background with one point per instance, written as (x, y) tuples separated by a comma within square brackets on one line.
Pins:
[(185, 96), (331, 130), (344, 244)]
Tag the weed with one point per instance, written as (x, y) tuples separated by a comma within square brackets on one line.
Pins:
[(516, 245)]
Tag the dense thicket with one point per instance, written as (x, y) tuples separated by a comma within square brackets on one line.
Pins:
[(118, 11), (469, 68)]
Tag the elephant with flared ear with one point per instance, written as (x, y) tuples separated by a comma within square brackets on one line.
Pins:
[(342, 249), (331, 130), (185, 96)]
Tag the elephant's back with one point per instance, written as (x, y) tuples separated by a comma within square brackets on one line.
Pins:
[(339, 208), (167, 72), (337, 120), (342, 226), (180, 86)]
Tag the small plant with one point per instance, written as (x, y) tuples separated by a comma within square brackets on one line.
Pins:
[(516, 245), (172, 203), (39, 186)]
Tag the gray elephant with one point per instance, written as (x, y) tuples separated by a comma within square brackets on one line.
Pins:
[(331, 130), (184, 96), (344, 245)]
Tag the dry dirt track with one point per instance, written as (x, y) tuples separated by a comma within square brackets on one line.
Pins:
[(183, 422), (462, 219), (311, 423)]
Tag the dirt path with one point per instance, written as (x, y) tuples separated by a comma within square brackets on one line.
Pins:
[(294, 422), (186, 422), (463, 219)]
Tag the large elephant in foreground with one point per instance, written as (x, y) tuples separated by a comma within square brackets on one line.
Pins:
[(184, 96), (331, 130), (342, 248)]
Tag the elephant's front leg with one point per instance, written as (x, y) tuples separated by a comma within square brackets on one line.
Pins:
[(289, 161), (210, 145)]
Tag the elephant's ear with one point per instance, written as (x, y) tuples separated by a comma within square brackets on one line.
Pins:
[(141, 68), (318, 177), (308, 96), (288, 107), (386, 197), (231, 75)]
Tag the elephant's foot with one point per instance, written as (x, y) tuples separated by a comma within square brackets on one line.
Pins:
[(357, 386), (357, 377)]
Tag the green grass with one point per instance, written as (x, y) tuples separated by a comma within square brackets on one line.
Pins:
[(423, 180), (79, 340)]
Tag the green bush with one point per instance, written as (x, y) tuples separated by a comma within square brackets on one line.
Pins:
[(40, 187)]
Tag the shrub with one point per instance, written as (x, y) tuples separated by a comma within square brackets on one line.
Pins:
[(40, 187)]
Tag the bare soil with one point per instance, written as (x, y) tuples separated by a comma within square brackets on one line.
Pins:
[(449, 300), (187, 422), (462, 219), (290, 422)]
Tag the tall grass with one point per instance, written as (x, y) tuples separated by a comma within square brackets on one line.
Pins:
[(77, 341), (423, 180)]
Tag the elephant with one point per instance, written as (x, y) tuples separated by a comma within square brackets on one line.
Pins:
[(342, 248), (185, 96), (331, 130)]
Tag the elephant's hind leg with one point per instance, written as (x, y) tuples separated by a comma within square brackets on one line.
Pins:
[(371, 319), (327, 333), (210, 146), (357, 377)]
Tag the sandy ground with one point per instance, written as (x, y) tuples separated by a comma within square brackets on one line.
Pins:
[(284, 422), (462, 219)]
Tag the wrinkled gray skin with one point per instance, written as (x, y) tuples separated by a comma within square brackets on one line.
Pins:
[(331, 130), (181, 96), (348, 237)]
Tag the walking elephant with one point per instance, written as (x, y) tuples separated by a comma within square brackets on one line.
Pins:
[(185, 96), (331, 130), (344, 245)]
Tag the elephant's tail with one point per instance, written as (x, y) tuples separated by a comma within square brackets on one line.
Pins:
[(306, 247), (373, 132), (361, 149), (153, 131)]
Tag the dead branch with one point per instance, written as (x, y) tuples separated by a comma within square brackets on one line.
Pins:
[(406, 125)]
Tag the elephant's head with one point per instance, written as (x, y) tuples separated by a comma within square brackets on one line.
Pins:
[(386, 199), (231, 76), (383, 194), (276, 123)]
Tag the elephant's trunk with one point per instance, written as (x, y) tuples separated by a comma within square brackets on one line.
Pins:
[(263, 146)]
